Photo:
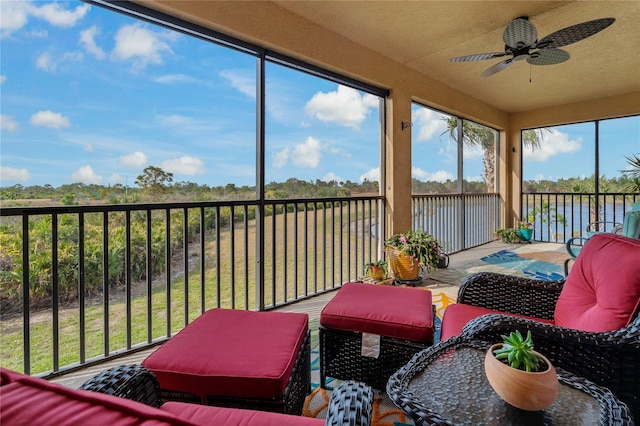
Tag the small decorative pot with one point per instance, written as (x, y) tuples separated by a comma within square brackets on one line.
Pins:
[(376, 272), (531, 391), (403, 267), (526, 234)]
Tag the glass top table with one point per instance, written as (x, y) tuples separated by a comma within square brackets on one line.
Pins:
[(446, 385)]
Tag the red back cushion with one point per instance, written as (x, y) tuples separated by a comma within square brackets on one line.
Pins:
[(32, 401), (602, 290)]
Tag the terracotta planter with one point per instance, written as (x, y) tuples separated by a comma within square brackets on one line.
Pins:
[(376, 272), (403, 267), (524, 390)]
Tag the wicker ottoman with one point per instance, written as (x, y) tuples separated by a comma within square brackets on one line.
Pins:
[(237, 358), (401, 316)]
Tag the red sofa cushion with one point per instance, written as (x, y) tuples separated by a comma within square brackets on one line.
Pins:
[(230, 352), (457, 315), (602, 290), (400, 312), (31, 401), (216, 416)]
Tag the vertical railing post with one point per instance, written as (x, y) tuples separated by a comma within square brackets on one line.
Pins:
[(127, 270), (105, 281), (149, 270), (81, 288), (26, 310), (185, 257), (55, 296)]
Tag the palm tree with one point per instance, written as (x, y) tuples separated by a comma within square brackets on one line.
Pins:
[(633, 173), (474, 134)]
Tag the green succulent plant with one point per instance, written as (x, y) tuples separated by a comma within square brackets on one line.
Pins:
[(518, 353)]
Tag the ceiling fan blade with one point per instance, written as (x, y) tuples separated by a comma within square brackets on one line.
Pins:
[(520, 33), (478, 57), (574, 33), (497, 67), (548, 57)]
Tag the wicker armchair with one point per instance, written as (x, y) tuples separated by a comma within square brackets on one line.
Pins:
[(610, 359), (350, 405)]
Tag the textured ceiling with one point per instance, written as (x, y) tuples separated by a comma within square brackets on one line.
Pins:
[(423, 35)]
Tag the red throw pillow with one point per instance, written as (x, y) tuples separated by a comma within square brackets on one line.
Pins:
[(602, 290)]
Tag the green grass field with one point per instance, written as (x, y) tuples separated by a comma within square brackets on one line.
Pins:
[(306, 267)]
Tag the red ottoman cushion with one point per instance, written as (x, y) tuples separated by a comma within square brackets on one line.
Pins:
[(602, 292), (457, 315), (234, 353), (399, 312), (216, 416)]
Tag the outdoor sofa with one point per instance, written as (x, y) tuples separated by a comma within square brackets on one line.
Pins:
[(128, 395)]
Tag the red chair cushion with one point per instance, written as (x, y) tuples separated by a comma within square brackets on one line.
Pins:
[(399, 312), (216, 416), (32, 401), (457, 315), (230, 352), (602, 290)]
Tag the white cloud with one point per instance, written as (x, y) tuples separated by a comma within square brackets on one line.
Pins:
[(115, 178), (281, 158), (307, 154), (472, 152), (88, 147), (439, 176), (240, 81), (47, 63), (3, 78), (345, 107), (134, 160), (553, 143), (175, 120), (428, 123), (7, 123), (50, 119), (175, 78), (54, 14), (332, 177), (372, 175), (14, 15), (87, 40), (186, 165), (12, 174), (85, 174), (140, 45)]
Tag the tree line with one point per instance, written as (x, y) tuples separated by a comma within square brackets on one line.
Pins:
[(80, 194)]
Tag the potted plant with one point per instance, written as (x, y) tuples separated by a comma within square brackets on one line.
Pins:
[(409, 250), (521, 376), (376, 270), (525, 229), (508, 235)]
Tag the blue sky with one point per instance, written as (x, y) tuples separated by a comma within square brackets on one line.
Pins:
[(92, 96)]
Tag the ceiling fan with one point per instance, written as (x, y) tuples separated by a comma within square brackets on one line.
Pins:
[(521, 42)]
